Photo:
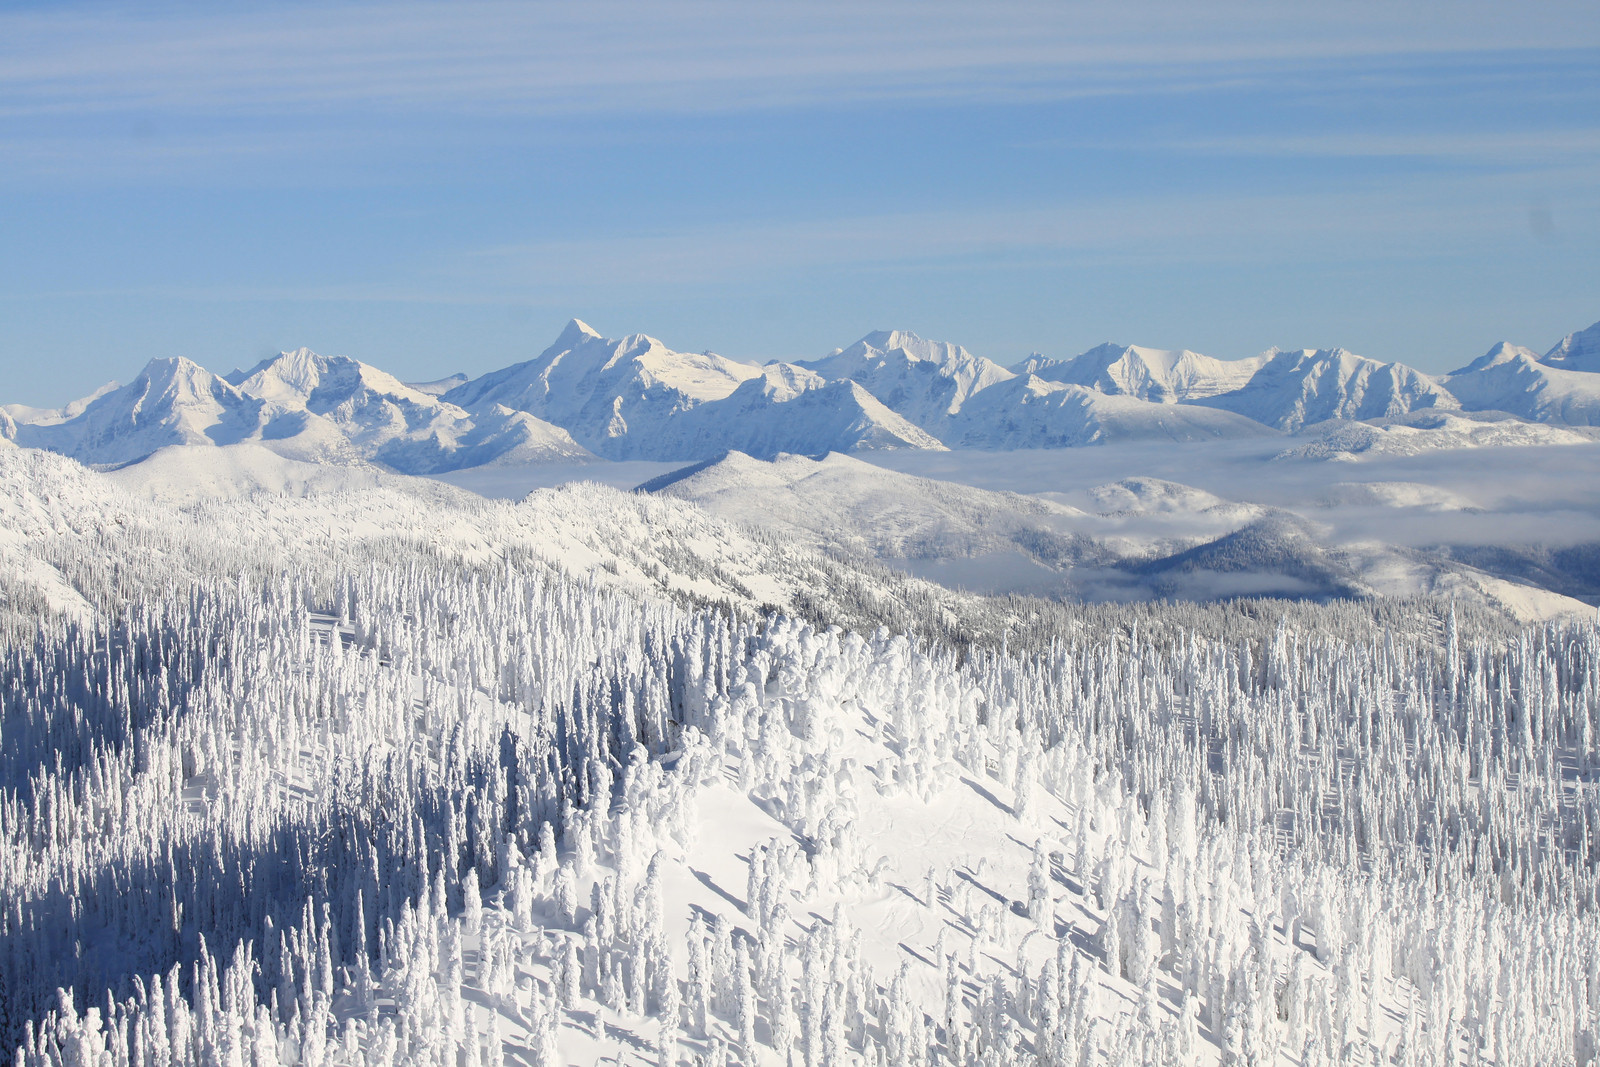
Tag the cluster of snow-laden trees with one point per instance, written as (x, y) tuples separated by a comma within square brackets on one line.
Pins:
[(440, 813)]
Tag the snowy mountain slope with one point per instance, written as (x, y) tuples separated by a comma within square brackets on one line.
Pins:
[(1029, 412), (788, 409), (614, 397), (926, 381), (1146, 496), (191, 513), (1395, 495), (440, 386), (1291, 389), (1278, 555), (170, 402), (1502, 352), (178, 475), (1136, 538), (1152, 538), (44, 416), (387, 421), (635, 399), (1578, 351), (1524, 386), (1166, 377)]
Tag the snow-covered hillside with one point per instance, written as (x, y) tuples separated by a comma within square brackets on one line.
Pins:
[(388, 774), (789, 409), (841, 503), (1577, 351), (1427, 432), (1291, 389)]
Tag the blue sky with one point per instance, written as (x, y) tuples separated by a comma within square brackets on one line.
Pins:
[(438, 187)]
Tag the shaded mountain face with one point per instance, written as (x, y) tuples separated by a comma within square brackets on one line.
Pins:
[(1277, 555)]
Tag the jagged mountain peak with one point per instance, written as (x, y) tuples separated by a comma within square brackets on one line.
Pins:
[(1503, 352), (576, 331), (1166, 376), (1578, 351), (785, 381), (613, 396), (302, 377), (176, 373), (924, 381), (581, 340), (911, 346)]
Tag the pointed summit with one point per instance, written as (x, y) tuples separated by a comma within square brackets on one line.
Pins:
[(924, 381), (576, 332), (1504, 352), (611, 395)]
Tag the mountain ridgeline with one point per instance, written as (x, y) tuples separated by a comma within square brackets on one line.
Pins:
[(587, 397)]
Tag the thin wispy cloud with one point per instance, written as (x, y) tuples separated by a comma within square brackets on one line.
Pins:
[(547, 57), (1529, 147), (1399, 222)]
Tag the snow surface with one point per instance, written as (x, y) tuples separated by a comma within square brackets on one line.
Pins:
[(386, 773), (843, 502), (1577, 351)]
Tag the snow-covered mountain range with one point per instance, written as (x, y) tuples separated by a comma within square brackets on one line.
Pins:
[(637, 399), (298, 404)]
